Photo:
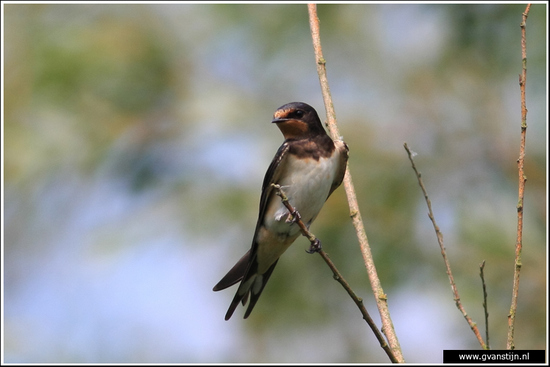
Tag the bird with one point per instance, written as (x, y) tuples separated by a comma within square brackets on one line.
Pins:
[(308, 166)]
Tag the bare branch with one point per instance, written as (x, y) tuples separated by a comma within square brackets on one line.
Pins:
[(486, 311), (316, 247), (439, 235), (355, 214), (521, 189)]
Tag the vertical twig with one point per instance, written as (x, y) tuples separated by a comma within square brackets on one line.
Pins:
[(485, 309), (521, 189), (439, 235), (381, 298)]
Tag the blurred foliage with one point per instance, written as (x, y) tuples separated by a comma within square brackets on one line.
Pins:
[(137, 136)]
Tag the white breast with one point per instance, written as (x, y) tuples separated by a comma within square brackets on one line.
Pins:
[(307, 187)]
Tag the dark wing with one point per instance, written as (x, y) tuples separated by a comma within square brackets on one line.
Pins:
[(273, 174), (252, 284), (243, 266), (344, 154)]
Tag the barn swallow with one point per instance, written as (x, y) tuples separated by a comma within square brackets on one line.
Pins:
[(308, 166)]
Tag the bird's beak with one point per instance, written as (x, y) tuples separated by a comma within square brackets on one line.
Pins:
[(278, 120)]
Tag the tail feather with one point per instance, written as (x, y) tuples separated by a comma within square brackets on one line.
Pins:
[(258, 288), (252, 285), (235, 275)]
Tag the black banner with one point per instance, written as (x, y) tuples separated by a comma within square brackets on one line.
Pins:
[(494, 356)]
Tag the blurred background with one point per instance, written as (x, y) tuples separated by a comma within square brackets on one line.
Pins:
[(136, 141)]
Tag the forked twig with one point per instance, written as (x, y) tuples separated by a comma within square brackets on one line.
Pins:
[(439, 235), (316, 247)]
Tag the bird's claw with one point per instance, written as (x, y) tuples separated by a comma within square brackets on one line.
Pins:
[(293, 217), (315, 247)]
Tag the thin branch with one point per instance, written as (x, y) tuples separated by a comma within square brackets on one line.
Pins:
[(521, 189), (485, 310), (316, 247), (439, 235), (355, 214)]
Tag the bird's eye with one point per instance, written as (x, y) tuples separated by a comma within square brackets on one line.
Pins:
[(299, 113)]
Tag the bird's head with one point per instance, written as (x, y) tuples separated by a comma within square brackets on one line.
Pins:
[(298, 120)]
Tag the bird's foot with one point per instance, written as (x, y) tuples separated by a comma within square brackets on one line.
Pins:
[(293, 217), (315, 247)]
